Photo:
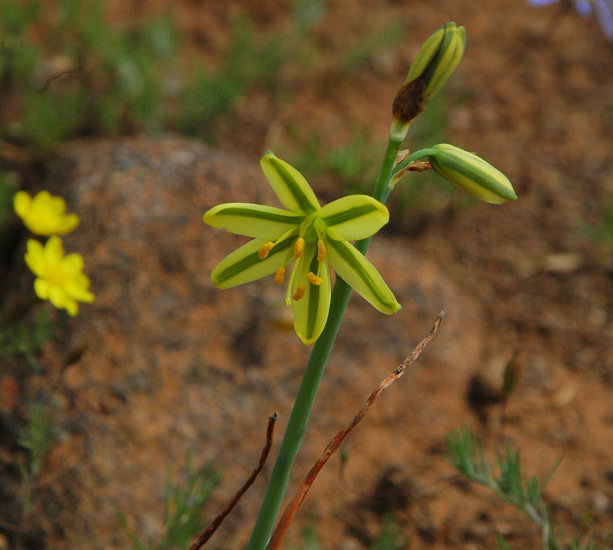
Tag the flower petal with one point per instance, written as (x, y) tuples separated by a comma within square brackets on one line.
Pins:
[(21, 203), (42, 288), (353, 267), (311, 311), (73, 263), (353, 217), (289, 185), (57, 296), (53, 251), (78, 289), (67, 223), (34, 257), (244, 264), (604, 10), (252, 220), (541, 2)]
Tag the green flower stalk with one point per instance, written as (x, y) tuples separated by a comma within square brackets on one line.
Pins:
[(315, 238)]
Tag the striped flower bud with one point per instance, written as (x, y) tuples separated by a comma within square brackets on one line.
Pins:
[(438, 58), (434, 64), (471, 173)]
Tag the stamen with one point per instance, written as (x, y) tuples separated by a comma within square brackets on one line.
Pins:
[(321, 250), (314, 279), (299, 292), (279, 276), (298, 247), (265, 250)]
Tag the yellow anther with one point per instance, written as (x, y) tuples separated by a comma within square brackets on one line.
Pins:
[(299, 292), (321, 250), (279, 276), (266, 248), (314, 279), (298, 247)]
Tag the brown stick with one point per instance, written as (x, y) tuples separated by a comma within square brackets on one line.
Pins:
[(208, 532), (294, 505)]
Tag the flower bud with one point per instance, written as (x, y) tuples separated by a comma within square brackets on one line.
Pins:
[(435, 63), (471, 173)]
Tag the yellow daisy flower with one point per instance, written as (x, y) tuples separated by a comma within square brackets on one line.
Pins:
[(45, 214), (60, 279)]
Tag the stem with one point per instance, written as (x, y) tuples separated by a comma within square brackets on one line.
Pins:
[(416, 155), (310, 382), (381, 191)]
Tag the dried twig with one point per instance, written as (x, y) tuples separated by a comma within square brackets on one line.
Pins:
[(208, 532), (55, 76), (294, 505)]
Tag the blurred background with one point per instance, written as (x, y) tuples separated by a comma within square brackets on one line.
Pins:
[(314, 80)]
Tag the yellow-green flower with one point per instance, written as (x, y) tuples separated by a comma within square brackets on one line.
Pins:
[(44, 214), (60, 279), (315, 237)]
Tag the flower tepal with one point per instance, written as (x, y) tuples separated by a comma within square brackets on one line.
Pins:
[(313, 237), (44, 214), (60, 279), (585, 8)]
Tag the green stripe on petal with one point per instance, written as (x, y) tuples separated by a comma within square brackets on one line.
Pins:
[(353, 267), (252, 220), (289, 185), (311, 311), (353, 217), (244, 264)]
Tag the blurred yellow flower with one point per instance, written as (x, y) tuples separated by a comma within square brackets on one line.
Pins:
[(44, 214), (60, 279)]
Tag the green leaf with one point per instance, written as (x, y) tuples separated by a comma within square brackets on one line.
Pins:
[(289, 185), (353, 217), (352, 266), (244, 264), (252, 220)]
